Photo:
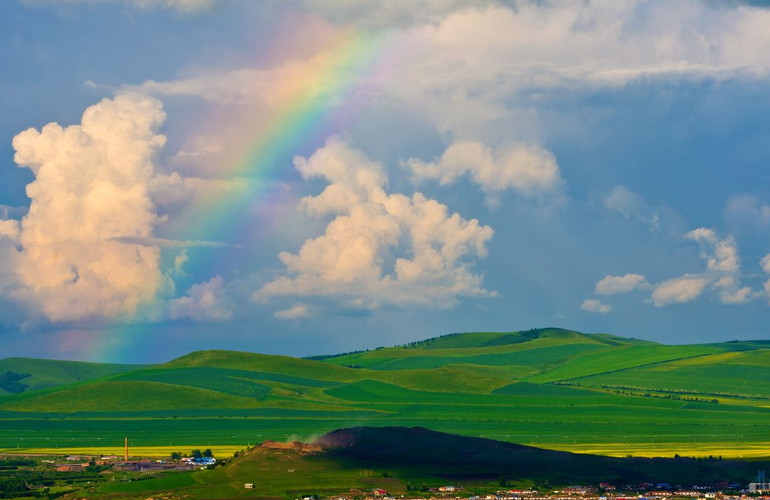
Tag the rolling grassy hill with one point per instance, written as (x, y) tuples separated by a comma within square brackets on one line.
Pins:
[(549, 387), (35, 374)]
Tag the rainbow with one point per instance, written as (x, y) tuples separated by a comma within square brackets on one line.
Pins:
[(322, 98), (333, 86), (317, 99), (108, 342), (313, 104)]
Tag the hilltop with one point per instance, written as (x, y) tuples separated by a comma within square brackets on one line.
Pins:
[(550, 387)]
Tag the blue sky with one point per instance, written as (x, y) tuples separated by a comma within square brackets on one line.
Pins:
[(443, 167)]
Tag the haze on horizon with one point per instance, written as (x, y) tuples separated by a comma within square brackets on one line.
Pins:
[(305, 177)]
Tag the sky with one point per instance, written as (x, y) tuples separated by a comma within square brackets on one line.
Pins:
[(306, 177)]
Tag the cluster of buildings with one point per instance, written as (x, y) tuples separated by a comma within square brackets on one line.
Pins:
[(203, 461), (78, 463)]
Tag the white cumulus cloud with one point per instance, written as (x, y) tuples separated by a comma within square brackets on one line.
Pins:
[(381, 248), (180, 260), (92, 184), (525, 169), (613, 285), (10, 229), (297, 311), (722, 276), (204, 302), (765, 263), (730, 291), (721, 254), (723, 265), (678, 290), (595, 306)]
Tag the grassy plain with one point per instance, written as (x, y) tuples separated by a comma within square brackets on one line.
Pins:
[(552, 388), (745, 451)]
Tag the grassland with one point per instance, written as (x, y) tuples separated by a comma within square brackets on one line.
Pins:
[(553, 388)]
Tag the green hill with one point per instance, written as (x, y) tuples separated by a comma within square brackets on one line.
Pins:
[(34, 374), (549, 387), (263, 363), (533, 351)]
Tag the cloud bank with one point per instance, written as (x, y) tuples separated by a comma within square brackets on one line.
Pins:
[(613, 285), (471, 68), (379, 248), (93, 184), (188, 6)]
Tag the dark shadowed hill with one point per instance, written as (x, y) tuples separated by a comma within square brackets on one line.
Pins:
[(418, 446)]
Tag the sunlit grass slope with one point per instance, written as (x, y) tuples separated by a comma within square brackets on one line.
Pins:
[(549, 387), (733, 373), (122, 395), (46, 373), (264, 363)]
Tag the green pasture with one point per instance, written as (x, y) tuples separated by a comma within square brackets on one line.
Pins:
[(550, 387), (545, 421), (743, 375), (543, 358), (168, 481)]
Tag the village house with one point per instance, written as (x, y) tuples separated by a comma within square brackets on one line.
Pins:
[(688, 493), (71, 467)]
